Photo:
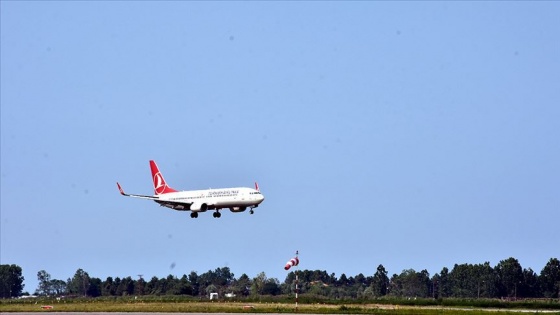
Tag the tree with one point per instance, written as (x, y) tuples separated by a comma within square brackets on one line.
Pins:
[(444, 285), (126, 287), (463, 282), (206, 279), (242, 285), (79, 284), (185, 288), (94, 288), (58, 287), (224, 277), (510, 275), (178, 286), (423, 278), (48, 286), (11, 281), (107, 287), (163, 286), (342, 281), (436, 290), (139, 287), (549, 279), (361, 279), (44, 279), (152, 287), (529, 284), (193, 279), (395, 285), (485, 281), (410, 283), (380, 282), (258, 284)]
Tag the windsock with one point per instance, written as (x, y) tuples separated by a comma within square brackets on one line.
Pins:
[(292, 262)]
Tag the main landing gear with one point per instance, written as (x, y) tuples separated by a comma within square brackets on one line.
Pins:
[(216, 214), (194, 215)]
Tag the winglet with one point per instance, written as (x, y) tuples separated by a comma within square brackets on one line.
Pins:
[(257, 186), (120, 189)]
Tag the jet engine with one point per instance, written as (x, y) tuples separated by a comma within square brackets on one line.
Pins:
[(199, 207), (237, 209)]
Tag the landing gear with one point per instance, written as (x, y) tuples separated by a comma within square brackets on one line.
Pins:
[(253, 207), (216, 214), (194, 215)]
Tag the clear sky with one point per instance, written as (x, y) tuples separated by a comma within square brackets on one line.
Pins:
[(409, 134)]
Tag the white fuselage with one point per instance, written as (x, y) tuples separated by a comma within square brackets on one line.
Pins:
[(236, 199)]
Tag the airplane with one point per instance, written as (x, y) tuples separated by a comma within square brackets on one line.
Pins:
[(235, 199)]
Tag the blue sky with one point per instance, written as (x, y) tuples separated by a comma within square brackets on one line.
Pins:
[(409, 134)]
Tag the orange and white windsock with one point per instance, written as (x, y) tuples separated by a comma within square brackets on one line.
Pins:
[(292, 262)]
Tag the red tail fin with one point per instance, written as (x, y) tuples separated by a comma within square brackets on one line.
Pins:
[(160, 186)]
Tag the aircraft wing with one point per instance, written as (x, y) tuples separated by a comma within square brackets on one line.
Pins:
[(177, 205), (173, 204)]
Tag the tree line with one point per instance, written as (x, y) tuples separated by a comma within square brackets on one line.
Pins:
[(505, 280)]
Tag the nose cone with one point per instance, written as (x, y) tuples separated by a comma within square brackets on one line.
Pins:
[(260, 198)]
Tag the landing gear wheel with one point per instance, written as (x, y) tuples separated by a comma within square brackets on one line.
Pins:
[(194, 215), (251, 211), (216, 214)]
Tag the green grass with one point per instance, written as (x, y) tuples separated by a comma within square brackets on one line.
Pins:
[(280, 304)]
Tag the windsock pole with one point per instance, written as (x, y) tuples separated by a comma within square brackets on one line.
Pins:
[(297, 269), (294, 262)]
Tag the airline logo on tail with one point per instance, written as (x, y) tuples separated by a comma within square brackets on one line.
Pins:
[(160, 186)]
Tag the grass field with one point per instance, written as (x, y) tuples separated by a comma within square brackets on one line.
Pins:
[(178, 306)]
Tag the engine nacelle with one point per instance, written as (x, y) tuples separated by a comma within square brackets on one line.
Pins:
[(199, 207), (237, 209)]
